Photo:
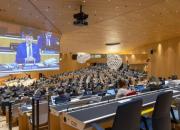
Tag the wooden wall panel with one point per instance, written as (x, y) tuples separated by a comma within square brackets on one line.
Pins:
[(165, 61)]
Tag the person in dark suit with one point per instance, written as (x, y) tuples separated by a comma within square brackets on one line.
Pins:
[(47, 41), (27, 52), (62, 98)]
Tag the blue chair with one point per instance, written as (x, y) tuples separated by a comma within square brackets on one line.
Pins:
[(160, 119), (127, 116), (175, 112)]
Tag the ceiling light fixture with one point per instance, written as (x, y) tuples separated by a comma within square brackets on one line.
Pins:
[(112, 44), (114, 61)]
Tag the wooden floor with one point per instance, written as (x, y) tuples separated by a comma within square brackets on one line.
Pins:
[(3, 125), (6, 128)]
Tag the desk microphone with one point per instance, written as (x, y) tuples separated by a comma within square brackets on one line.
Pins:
[(68, 105), (109, 96)]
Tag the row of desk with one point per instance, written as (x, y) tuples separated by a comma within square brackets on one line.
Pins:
[(80, 114), (56, 112), (83, 118)]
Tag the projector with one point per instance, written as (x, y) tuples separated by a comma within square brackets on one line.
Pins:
[(81, 18)]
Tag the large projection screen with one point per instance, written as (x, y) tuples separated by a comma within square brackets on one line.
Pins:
[(29, 52)]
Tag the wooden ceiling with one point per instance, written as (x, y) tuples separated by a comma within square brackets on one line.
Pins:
[(131, 22)]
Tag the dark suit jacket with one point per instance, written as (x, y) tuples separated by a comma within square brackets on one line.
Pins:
[(61, 99), (21, 53), (53, 41)]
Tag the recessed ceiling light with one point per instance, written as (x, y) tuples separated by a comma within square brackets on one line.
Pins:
[(19, 8), (69, 6)]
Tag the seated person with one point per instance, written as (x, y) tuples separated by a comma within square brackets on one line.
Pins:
[(47, 41), (27, 52), (62, 98), (74, 92), (123, 91), (153, 86), (88, 92), (37, 93)]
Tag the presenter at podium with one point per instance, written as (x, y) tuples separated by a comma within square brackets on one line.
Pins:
[(27, 52)]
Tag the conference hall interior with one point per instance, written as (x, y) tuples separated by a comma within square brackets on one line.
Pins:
[(89, 64)]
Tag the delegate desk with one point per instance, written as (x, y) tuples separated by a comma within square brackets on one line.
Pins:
[(56, 118), (56, 112), (99, 113), (23, 118)]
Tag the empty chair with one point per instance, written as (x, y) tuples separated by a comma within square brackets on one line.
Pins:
[(127, 116), (15, 113), (43, 116), (175, 112), (160, 119)]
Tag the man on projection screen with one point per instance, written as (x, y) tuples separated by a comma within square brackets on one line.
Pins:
[(48, 41), (27, 52)]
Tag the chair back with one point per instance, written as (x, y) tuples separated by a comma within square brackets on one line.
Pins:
[(128, 115), (15, 110), (161, 116), (43, 113)]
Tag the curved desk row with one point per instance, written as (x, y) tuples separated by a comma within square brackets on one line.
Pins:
[(83, 118), (56, 112), (81, 113)]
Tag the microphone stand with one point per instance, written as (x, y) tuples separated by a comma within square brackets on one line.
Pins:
[(109, 96)]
